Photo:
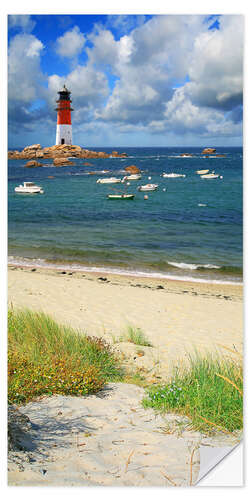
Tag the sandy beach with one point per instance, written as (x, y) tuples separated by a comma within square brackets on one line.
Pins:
[(108, 439), (177, 317), (105, 440)]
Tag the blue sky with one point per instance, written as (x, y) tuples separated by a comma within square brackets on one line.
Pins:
[(136, 80)]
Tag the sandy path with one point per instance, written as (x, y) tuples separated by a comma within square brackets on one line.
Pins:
[(88, 441)]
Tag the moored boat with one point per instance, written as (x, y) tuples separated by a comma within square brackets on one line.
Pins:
[(97, 172), (132, 177), (210, 176), (121, 196), (201, 172), (173, 175), (29, 188), (148, 187), (108, 180)]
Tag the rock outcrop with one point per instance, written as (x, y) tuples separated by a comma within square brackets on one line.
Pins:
[(63, 151), (33, 147), (208, 151), (33, 164), (132, 169), (61, 161)]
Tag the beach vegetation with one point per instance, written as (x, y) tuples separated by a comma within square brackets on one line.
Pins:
[(45, 358), (135, 336), (136, 378), (209, 391)]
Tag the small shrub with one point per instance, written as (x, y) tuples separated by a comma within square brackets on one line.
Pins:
[(28, 380), (47, 358)]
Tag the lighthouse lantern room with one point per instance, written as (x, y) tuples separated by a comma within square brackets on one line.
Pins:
[(64, 127)]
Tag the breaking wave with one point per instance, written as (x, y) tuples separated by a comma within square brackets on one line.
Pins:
[(184, 265)]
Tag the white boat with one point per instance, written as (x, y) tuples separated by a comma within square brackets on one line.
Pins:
[(132, 177), (201, 172), (148, 187), (173, 175), (210, 176), (97, 172), (108, 180), (120, 196), (29, 188)]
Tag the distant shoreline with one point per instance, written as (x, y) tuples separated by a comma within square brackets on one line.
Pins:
[(11, 148)]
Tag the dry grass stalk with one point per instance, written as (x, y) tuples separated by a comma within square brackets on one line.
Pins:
[(169, 479), (215, 425), (239, 376), (231, 350), (230, 382), (191, 466), (128, 460)]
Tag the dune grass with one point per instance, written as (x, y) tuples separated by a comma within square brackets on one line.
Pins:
[(45, 358), (209, 392), (135, 336)]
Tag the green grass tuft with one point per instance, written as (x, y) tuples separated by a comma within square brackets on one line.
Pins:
[(209, 393), (47, 358), (135, 336)]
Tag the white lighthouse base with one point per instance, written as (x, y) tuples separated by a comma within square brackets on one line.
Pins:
[(64, 134)]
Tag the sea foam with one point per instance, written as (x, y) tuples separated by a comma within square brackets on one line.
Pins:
[(185, 265)]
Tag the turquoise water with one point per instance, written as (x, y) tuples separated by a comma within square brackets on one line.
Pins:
[(189, 228)]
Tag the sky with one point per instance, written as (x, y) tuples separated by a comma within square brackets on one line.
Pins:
[(135, 80)]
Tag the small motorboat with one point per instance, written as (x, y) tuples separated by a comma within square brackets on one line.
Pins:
[(132, 177), (108, 180), (202, 172), (209, 176), (97, 172), (29, 188), (173, 175), (121, 196), (148, 187)]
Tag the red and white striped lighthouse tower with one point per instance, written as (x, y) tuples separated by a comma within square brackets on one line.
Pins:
[(64, 127)]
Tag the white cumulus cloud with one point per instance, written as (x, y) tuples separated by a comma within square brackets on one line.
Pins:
[(171, 71), (22, 21), (216, 70), (24, 67), (71, 43)]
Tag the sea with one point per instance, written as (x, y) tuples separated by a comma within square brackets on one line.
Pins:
[(188, 229)]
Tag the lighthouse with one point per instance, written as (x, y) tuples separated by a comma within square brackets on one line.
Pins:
[(64, 127)]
